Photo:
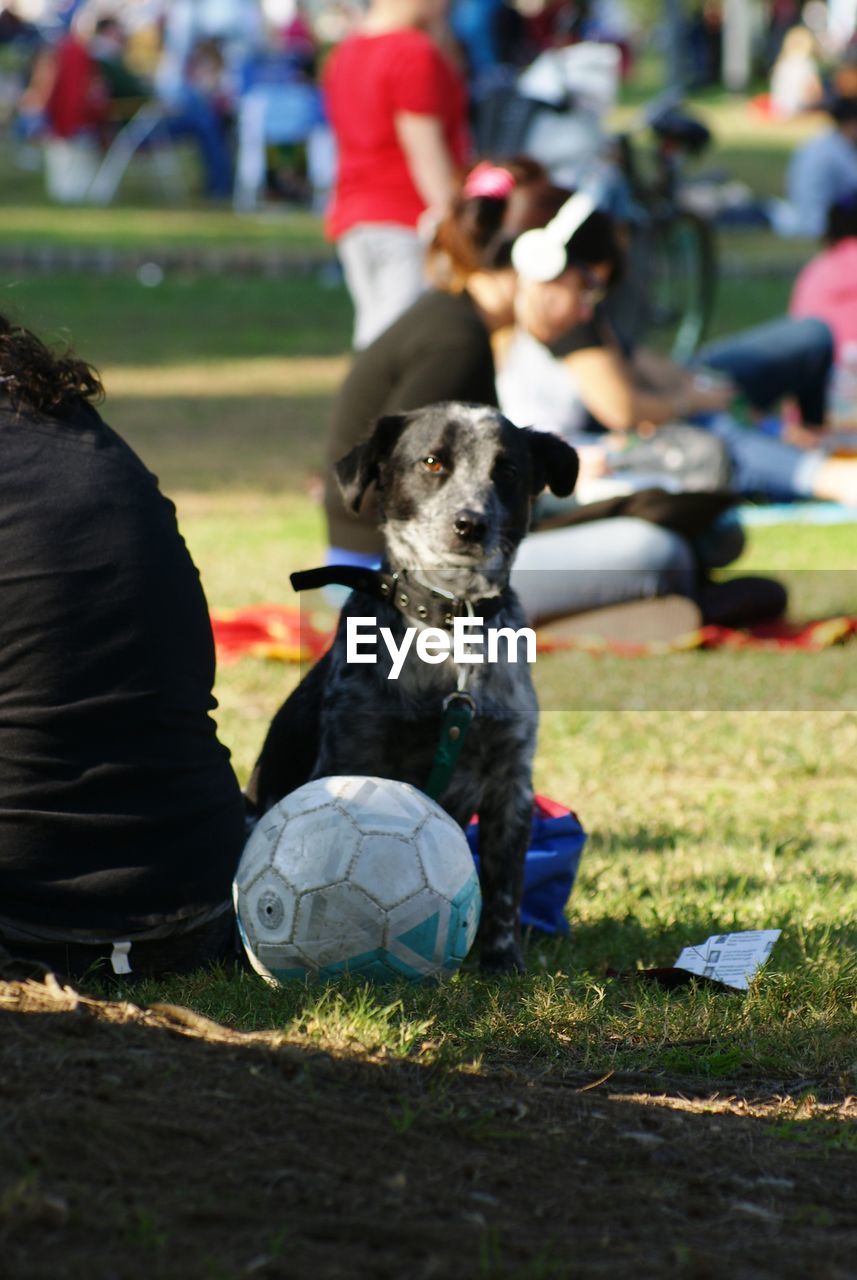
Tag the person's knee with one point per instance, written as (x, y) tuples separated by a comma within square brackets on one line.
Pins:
[(654, 549), (721, 543), (591, 566)]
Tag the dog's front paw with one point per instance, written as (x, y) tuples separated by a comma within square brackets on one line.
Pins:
[(500, 960)]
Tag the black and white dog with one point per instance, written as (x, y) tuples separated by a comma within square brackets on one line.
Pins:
[(455, 484)]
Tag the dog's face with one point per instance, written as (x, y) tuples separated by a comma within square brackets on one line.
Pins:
[(455, 483)]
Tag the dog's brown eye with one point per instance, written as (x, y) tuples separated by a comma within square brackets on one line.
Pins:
[(433, 464)]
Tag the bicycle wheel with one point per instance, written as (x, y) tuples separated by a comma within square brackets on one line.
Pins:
[(681, 274)]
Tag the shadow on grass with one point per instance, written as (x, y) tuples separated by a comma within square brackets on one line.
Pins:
[(608, 846), (212, 1155)]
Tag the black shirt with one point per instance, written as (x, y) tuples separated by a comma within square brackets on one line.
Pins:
[(438, 350), (118, 805)]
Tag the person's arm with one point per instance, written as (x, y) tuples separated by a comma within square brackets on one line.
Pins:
[(657, 372), (427, 156), (607, 387), (36, 96)]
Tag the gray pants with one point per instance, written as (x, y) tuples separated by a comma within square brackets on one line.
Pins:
[(607, 562), (384, 267), (591, 566)]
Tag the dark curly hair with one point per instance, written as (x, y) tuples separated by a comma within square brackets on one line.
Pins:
[(33, 376)]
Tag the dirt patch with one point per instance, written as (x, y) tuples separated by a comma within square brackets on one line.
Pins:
[(153, 1143)]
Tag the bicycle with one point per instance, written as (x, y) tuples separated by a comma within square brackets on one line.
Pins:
[(671, 284)]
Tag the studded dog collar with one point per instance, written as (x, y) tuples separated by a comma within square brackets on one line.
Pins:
[(418, 602)]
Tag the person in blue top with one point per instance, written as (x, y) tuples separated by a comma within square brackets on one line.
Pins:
[(821, 171)]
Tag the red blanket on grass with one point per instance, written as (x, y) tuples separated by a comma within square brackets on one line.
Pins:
[(284, 635)]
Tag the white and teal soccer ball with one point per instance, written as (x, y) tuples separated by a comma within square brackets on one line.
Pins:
[(355, 875)]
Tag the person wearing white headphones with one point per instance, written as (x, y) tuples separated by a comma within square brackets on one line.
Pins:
[(565, 370), (440, 349)]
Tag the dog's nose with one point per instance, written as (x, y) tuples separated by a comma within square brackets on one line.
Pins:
[(469, 525)]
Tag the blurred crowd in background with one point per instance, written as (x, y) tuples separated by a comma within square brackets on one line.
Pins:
[(241, 78), (301, 101)]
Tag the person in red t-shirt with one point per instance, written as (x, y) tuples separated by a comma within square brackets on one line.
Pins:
[(68, 89), (398, 109)]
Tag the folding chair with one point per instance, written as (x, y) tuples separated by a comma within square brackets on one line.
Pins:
[(141, 130), (271, 110)]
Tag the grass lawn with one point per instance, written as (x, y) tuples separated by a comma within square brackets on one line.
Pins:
[(138, 219)]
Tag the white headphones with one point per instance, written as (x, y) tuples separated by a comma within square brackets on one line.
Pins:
[(540, 255)]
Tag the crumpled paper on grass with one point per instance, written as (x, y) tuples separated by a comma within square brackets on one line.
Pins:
[(726, 961), (730, 958)]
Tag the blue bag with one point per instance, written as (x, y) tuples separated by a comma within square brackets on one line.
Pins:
[(556, 843)]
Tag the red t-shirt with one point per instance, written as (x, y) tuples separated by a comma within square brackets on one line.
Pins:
[(367, 82), (78, 99)]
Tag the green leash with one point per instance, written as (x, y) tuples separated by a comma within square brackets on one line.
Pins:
[(458, 712)]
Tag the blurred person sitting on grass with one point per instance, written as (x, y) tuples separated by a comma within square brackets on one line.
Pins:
[(204, 49), (440, 349), (820, 172), (121, 821), (826, 289), (585, 385), (66, 97), (126, 89), (84, 84)]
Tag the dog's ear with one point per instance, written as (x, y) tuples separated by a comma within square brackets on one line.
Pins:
[(555, 464), (359, 468)]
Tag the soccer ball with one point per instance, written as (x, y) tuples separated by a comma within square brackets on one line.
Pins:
[(355, 875)]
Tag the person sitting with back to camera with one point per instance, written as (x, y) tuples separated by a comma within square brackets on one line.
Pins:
[(440, 349), (121, 821), (821, 171)]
